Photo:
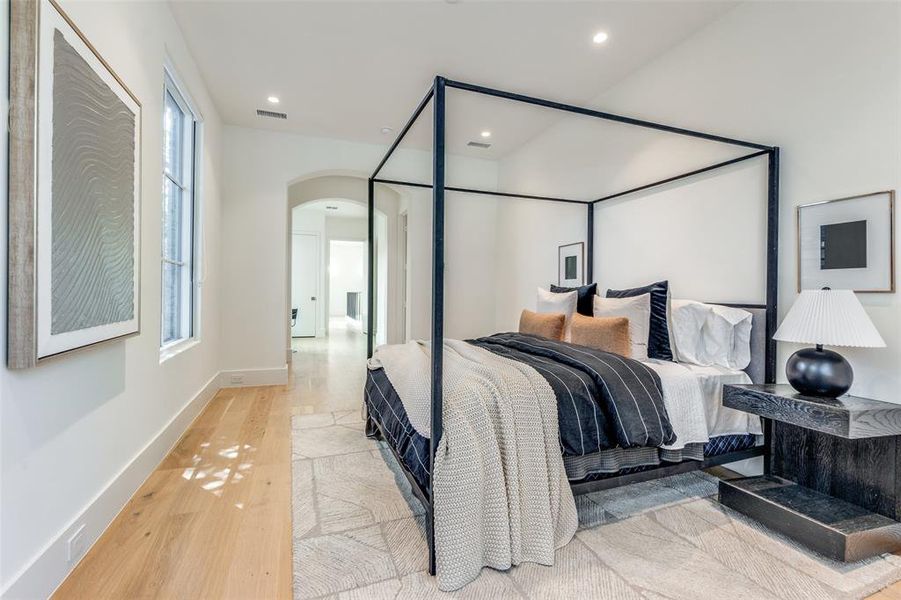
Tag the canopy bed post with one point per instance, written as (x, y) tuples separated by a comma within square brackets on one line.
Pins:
[(589, 246), (772, 261), (370, 293), (437, 424), (772, 291)]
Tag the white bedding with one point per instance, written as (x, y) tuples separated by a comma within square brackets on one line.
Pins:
[(693, 398), (722, 420)]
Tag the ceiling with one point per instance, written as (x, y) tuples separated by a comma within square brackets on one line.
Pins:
[(334, 207), (347, 69)]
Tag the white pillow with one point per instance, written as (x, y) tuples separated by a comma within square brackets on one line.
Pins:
[(728, 336), (565, 302), (711, 334), (638, 310), (686, 325)]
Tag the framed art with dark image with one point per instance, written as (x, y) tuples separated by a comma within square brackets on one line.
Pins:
[(848, 243), (571, 265), (74, 191)]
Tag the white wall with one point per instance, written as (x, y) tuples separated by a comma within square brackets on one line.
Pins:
[(528, 234), (347, 229), (470, 277), (79, 433), (344, 228), (345, 274), (707, 237), (820, 80), (258, 166)]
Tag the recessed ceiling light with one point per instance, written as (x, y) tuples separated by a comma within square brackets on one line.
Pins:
[(273, 99), (386, 130), (486, 134), (600, 37)]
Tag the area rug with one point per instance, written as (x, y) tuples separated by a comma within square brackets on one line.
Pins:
[(359, 534)]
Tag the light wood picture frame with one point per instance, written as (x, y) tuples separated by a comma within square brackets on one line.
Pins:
[(848, 243), (74, 191)]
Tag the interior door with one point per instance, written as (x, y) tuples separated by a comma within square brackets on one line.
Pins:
[(304, 283)]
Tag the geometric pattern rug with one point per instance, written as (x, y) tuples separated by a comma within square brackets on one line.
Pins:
[(358, 534)]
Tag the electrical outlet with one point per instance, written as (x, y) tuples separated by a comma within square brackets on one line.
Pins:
[(236, 378), (77, 545)]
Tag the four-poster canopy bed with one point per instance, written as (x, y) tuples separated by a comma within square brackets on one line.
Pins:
[(765, 313)]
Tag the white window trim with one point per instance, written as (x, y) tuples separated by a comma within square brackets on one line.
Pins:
[(176, 347)]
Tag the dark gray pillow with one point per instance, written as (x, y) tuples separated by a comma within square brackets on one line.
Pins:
[(658, 337), (585, 297)]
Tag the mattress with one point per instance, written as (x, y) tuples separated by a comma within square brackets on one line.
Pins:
[(386, 409)]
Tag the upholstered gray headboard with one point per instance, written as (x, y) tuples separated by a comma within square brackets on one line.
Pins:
[(757, 368)]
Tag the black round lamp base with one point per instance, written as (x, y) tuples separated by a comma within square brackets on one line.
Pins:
[(819, 372)]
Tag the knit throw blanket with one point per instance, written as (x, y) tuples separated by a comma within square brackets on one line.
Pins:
[(501, 495)]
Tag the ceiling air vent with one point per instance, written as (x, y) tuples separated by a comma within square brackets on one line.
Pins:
[(479, 145), (271, 114)]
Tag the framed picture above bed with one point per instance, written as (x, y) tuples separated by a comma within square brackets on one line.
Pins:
[(848, 243), (571, 265), (74, 191)]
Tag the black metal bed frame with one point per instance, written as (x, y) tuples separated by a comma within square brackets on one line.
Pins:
[(437, 95)]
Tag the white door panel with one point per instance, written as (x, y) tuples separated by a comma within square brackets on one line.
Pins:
[(305, 283)]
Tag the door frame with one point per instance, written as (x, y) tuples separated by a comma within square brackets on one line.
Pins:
[(319, 274), (403, 241)]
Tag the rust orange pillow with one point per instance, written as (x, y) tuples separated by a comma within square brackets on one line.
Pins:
[(610, 334), (546, 325)]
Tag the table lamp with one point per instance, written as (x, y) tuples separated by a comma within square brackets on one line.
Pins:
[(831, 318)]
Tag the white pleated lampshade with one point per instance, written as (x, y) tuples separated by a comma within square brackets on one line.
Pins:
[(830, 318)]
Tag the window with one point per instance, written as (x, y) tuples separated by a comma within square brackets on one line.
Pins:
[(178, 226)]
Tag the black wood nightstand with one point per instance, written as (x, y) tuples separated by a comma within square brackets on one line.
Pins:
[(832, 482)]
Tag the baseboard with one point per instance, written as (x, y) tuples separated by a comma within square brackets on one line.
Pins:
[(50, 567), (253, 377)]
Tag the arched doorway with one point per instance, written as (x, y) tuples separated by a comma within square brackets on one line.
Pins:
[(327, 215)]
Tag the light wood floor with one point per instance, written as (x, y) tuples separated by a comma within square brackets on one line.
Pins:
[(214, 519), (893, 592)]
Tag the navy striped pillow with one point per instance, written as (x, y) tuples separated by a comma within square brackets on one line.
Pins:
[(658, 337)]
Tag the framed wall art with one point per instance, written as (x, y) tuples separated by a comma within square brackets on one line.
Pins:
[(848, 243), (74, 191), (571, 268)]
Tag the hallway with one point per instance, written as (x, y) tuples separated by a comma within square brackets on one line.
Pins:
[(327, 373)]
